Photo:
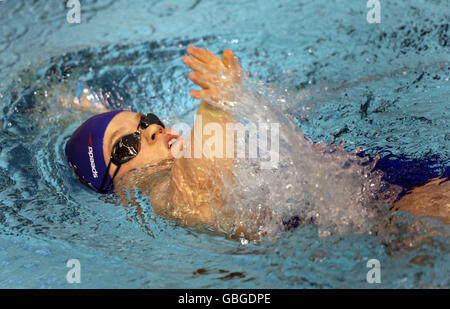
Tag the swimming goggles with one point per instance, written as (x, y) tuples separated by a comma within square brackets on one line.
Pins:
[(128, 147)]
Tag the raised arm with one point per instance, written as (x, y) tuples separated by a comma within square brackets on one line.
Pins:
[(198, 177)]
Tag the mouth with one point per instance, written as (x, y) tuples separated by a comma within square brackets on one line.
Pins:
[(170, 140)]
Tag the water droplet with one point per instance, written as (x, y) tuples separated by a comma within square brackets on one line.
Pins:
[(244, 241)]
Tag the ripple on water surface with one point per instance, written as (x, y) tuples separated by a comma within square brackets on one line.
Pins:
[(369, 90)]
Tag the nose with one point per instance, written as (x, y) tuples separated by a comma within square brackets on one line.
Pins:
[(151, 133)]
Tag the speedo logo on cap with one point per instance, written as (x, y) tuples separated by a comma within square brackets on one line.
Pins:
[(91, 157)]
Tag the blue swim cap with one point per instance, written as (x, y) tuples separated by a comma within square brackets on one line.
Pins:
[(84, 150)]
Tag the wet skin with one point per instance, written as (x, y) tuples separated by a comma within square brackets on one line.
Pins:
[(196, 185)]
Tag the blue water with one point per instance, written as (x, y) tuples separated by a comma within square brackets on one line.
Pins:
[(384, 87)]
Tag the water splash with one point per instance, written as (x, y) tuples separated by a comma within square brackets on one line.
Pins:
[(325, 185), (41, 200)]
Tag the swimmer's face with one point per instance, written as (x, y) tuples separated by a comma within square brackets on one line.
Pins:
[(154, 141)]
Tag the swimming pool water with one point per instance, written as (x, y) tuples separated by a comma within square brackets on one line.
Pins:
[(384, 87)]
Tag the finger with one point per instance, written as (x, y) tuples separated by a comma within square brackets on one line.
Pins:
[(231, 61), (201, 67), (195, 64), (202, 54), (237, 65), (199, 80), (198, 94), (205, 95), (228, 58)]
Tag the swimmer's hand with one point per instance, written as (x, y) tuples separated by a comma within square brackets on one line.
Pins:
[(220, 79)]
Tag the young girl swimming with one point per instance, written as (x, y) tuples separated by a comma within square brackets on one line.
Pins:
[(199, 182)]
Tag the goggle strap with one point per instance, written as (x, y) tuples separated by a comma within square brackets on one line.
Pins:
[(105, 176), (114, 175)]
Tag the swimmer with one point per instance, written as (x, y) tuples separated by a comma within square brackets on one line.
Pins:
[(107, 149)]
